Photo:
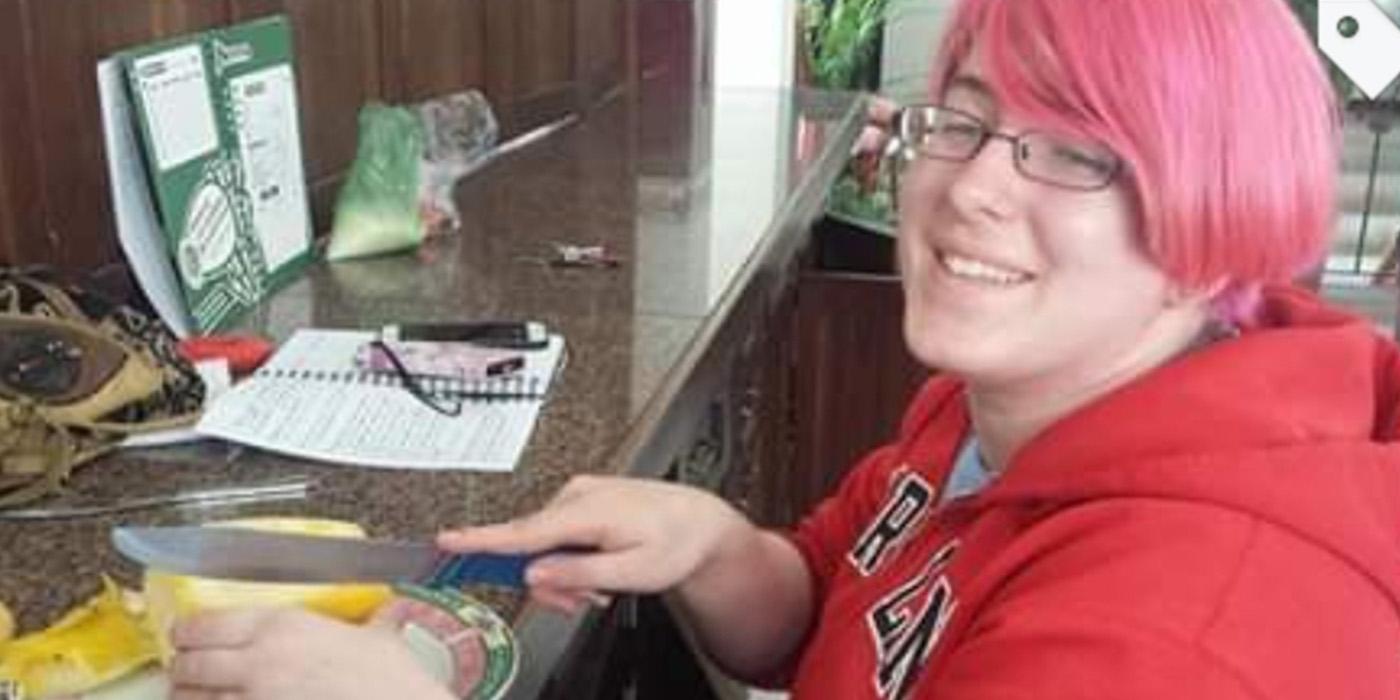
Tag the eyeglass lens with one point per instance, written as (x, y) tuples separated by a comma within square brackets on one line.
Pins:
[(942, 133), (446, 405)]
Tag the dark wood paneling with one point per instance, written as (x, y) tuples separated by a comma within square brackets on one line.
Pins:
[(854, 378), (22, 227), (338, 69), (68, 38), (435, 47), (544, 61), (602, 49), (501, 43), (338, 58), (666, 50), (545, 51), (773, 410), (536, 60)]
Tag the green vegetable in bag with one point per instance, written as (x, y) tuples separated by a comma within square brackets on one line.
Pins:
[(377, 211)]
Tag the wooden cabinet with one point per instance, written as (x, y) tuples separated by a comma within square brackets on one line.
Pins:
[(535, 59), (852, 376)]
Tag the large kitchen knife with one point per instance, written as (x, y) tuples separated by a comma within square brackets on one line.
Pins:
[(251, 555)]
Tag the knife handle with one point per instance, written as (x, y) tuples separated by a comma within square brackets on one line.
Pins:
[(458, 570)]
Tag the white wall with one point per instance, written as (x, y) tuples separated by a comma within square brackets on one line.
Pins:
[(753, 42), (753, 54), (912, 33)]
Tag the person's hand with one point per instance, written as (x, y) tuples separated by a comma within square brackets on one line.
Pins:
[(648, 536), (291, 654), (879, 120), (870, 145)]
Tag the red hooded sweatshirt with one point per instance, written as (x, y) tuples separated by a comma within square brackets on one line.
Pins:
[(1226, 526)]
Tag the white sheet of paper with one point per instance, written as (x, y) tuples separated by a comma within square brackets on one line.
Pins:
[(270, 147), (309, 401), (138, 227), (176, 91)]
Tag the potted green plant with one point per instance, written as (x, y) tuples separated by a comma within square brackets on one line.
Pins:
[(841, 42), (843, 39)]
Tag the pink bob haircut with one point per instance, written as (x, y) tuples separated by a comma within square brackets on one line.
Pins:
[(1220, 108)]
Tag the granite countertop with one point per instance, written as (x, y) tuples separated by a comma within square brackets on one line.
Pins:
[(689, 204)]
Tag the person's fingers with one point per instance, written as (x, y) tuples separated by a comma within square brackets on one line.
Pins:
[(597, 600), (558, 600), (383, 623), (624, 571), (219, 629), (178, 693), (529, 534), (575, 487), (870, 141), (554, 525), (881, 110), (214, 669), (538, 532)]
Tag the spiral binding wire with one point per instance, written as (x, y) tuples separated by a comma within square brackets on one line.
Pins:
[(506, 387)]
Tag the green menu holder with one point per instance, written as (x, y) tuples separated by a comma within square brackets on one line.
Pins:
[(220, 135)]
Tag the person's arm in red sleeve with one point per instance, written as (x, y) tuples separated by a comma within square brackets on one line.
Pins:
[(754, 603), (750, 594)]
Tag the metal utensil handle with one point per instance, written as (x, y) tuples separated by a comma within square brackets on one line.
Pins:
[(234, 495)]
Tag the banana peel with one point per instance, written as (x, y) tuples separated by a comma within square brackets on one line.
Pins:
[(117, 632), (172, 597), (100, 641)]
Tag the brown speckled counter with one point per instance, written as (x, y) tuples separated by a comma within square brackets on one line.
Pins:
[(696, 213)]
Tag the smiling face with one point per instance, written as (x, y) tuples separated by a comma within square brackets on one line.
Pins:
[(1013, 282)]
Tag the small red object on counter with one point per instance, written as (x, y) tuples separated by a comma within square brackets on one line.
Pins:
[(244, 353)]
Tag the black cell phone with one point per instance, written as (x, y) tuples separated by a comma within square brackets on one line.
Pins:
[(518, 335)]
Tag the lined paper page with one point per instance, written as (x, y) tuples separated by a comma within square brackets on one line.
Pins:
[(351, 422)]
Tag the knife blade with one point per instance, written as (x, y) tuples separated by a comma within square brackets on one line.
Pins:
[(251, 555)]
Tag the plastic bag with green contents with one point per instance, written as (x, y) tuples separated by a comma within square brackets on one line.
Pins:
[(377, 211)]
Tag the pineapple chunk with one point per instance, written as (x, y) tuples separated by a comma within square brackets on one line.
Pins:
[(7, 625), (101, 641), (172, 597)]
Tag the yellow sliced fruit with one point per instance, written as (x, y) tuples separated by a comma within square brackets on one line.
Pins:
[(98, 642), (172, 597), (7, 625)]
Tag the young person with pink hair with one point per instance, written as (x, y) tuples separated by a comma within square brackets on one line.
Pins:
[(1146, 467)]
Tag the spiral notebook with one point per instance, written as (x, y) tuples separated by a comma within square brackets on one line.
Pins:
[(311, 401)]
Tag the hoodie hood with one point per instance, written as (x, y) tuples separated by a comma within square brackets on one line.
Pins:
[(1293, 422)]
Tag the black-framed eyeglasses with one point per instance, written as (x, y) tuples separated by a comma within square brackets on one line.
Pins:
[(944, 133), (447, 405)]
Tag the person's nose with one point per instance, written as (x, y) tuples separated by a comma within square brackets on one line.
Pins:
[(987, 187)]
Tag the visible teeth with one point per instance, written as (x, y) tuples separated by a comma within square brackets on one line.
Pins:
[(968, 268)]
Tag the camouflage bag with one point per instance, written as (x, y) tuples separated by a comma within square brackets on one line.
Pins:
[(78, 374)]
